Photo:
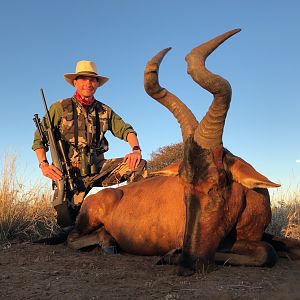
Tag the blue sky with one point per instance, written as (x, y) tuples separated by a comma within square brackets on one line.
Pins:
[(42, 40)]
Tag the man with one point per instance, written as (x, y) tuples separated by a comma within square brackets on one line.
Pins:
[(81, 123)]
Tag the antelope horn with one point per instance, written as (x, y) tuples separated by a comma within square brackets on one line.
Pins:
[(208, 133), (181, 112)]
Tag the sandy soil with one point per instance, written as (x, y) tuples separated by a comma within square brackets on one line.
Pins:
[(32, 271)]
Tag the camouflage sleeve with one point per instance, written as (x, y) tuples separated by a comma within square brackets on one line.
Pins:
[(55, 112), (118, 127)]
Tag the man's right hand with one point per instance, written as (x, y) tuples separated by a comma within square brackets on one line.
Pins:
[(51, 172)]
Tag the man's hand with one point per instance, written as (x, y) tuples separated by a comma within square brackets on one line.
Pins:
[(51, 172), (133, 159)]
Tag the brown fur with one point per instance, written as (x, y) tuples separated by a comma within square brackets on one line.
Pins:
[(145, 228)]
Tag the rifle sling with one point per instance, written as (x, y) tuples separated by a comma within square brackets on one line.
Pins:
[(97, 134), (75, 118)]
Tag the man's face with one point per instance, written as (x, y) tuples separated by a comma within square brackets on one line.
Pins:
[(86, 85)]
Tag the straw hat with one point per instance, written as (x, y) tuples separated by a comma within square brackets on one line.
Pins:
[(85, 68)]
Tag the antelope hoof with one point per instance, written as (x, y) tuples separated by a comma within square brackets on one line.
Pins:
[(171, 258), (189, 265), (182, 271), (110, 250)]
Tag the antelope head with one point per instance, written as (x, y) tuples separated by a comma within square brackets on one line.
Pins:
[(202, 171)]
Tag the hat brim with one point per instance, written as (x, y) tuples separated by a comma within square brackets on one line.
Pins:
[(72, 76)]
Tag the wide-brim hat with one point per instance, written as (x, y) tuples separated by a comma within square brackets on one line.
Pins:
[(85, 68)]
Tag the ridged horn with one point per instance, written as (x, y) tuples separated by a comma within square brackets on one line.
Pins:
[(181, 112), (209, 132)]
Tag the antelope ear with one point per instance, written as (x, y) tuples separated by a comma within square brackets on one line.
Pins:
[(245, 174)]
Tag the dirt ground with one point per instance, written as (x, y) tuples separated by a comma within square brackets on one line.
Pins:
[(33, 271)]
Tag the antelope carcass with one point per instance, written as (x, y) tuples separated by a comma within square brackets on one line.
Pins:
[(214, 209)]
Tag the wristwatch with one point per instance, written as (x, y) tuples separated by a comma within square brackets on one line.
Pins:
[(136, 148), (45, 161)]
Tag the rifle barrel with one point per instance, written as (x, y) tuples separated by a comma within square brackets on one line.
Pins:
[(46, 109)]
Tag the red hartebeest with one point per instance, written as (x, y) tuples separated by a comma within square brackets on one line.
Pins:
[(215, 207)]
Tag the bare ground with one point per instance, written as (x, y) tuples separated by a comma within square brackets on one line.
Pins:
[(32, 271)]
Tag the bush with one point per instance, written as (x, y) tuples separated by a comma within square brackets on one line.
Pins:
[(164, 156)]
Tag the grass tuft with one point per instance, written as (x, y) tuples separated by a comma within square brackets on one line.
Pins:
[(286, 214), (24, 214)]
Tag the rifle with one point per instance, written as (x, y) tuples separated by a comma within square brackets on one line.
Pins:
[(58, 155)]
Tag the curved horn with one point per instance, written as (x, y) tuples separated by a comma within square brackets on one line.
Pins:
[(181, 112), (209, 132)]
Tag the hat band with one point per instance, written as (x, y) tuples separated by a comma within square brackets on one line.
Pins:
[(87, 72)]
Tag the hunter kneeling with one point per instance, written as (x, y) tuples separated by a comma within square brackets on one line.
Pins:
[(74, 129)]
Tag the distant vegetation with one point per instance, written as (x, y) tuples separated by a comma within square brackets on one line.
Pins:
[(26, 215), (164, 156)]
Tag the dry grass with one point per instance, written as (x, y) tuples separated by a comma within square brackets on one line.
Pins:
[(24, 215), (286, 214), (28, 214)]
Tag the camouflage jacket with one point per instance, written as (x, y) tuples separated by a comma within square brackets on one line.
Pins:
[(62, 117)]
